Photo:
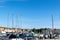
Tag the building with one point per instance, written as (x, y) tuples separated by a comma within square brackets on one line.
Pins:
[(13, 29)]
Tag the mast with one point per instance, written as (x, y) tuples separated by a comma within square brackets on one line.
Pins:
[(16, 23), (12, 22), (7, 21), (21, 24), (21, 21), (52, 25)]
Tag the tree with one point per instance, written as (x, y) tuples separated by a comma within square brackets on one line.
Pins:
[(39, 30)]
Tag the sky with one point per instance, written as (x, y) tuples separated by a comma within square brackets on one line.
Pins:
[(29, 13)]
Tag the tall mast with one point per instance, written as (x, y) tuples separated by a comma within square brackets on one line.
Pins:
[(52, 22), (52, 25), (21, 21), (12, 22), (17, 22), (7, 20)]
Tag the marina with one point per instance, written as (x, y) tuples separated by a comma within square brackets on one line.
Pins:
[(25, 35), (29, 19)]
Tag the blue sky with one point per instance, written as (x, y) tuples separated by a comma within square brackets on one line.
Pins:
[(34, 13)]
